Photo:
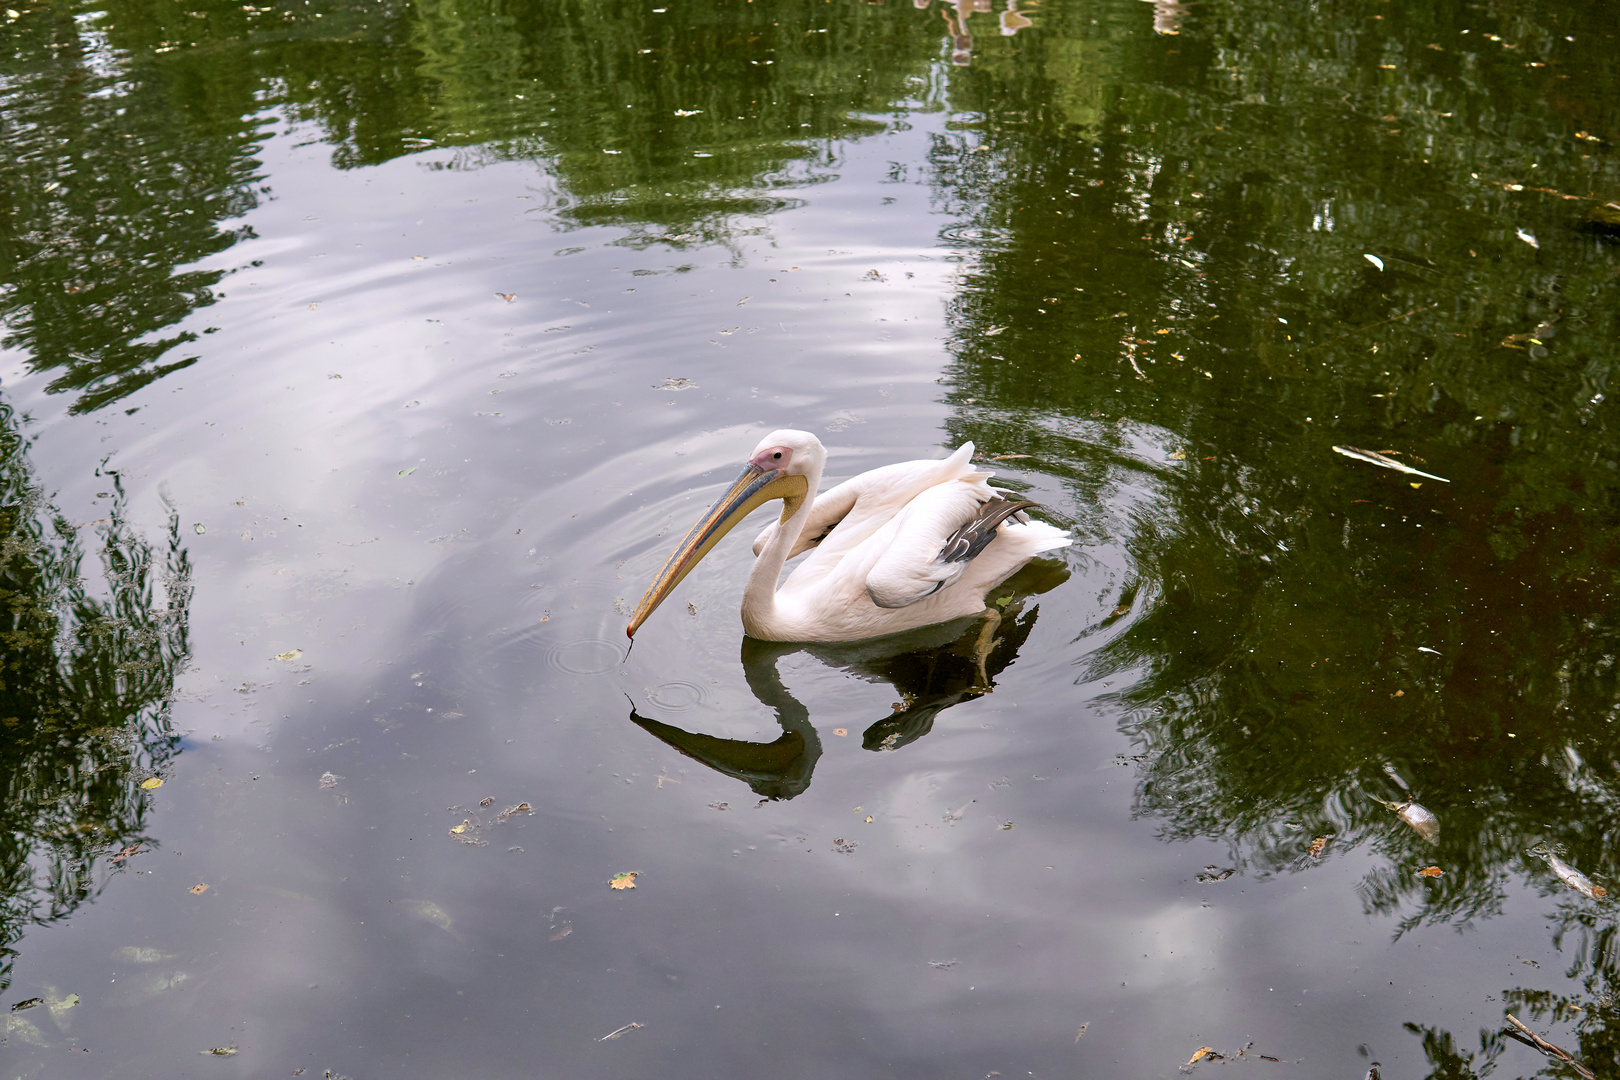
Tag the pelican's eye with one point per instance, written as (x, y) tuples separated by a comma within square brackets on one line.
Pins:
[(777, 455)]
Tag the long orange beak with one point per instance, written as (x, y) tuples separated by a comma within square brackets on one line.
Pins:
[(755, 487)]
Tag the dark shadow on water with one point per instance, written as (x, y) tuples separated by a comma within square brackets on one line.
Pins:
[(932, 669)]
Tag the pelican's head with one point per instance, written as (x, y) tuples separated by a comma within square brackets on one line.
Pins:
[(779, 468)]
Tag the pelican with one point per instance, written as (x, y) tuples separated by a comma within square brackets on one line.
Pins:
[(894, 549)]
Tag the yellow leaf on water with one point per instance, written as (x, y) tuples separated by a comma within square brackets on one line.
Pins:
[(152, 782), (623, 881), (1203, 1052), (463, 827), (1430, 871)]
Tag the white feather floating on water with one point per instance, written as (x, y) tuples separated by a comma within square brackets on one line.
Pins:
[(1375, 260), (1373, 458)]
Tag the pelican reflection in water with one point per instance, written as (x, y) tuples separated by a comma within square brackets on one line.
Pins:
[(930, 670)]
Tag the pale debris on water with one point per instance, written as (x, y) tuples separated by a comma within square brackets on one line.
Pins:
[(1372, 457), (1569, 875), (626, 880), (1375, 260)]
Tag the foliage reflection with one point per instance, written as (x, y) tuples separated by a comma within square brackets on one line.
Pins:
[(87, 670)]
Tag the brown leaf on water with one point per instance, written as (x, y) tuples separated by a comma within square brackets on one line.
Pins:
[(507, 296), (1318, 846), (1203, 1052), (625, 880), (486, 800), (199, 888), (130, 852), (1430, 871)]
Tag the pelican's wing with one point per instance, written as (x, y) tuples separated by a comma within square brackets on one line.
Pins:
[(975, 535), (935, 538), (864, 503)]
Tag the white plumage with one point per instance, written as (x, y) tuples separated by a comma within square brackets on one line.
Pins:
[(892, 549)]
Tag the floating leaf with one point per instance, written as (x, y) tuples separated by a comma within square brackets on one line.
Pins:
[(1372, 457), (840, 732), (1203, 1052), (466, 823), (220, 1051), (407, 472), (1318, 845), (199, 888), (1430, 871), (626, 880), (151, 782), (199, 528), (290, 654)]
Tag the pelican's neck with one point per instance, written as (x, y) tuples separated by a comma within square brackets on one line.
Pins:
[(759, 597)]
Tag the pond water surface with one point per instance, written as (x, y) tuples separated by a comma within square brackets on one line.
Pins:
[(362, 361)]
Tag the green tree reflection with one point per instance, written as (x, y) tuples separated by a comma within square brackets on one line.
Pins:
[(114, 177), (129, 135), (87, 670), (1168, 237)]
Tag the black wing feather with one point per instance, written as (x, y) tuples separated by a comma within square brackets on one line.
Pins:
[(974, 536)]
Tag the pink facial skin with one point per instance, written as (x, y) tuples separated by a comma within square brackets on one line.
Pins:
[(774, 457)]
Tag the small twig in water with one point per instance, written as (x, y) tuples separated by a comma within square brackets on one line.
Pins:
[(615, 1034), (1548, 1048)]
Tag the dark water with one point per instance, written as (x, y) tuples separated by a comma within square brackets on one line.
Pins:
[(362, 362)]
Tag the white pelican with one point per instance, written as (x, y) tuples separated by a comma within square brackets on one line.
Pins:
[(915, 544)]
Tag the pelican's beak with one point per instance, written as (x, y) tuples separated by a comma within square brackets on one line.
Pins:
[(753, 488)]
